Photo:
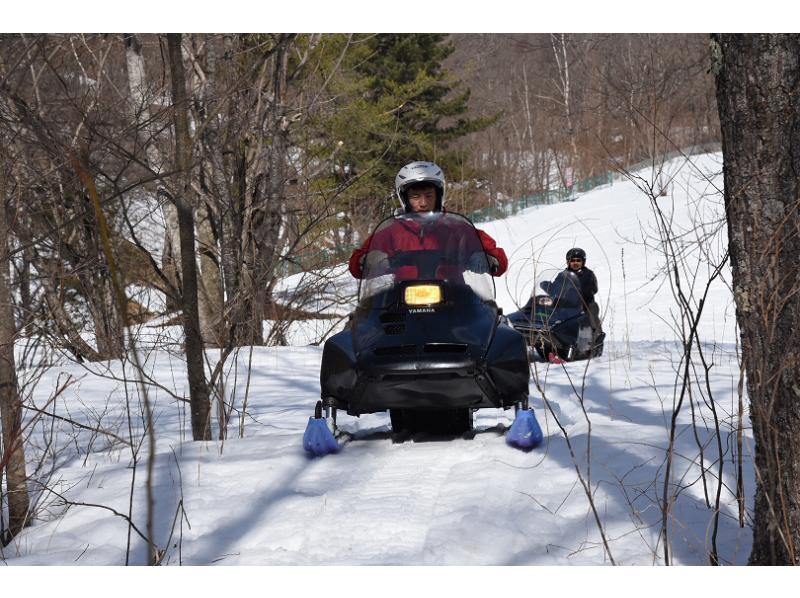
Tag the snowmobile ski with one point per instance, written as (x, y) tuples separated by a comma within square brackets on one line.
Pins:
[(525, 432), (318, 438)]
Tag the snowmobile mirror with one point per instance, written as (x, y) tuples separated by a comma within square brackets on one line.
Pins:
[(423, 294)]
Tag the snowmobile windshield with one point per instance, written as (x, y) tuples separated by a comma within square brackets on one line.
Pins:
[(562, 288), (424, 247)]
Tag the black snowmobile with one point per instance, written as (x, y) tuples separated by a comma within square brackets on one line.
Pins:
[(554, 321), (427, 342)]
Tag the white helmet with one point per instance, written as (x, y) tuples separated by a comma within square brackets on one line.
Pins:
[(420, 172)]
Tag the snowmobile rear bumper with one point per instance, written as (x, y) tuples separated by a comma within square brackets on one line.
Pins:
[(434, 385), (444, 386), (418, 379)]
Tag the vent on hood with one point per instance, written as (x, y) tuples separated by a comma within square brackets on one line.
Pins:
[(397, 350), (444, 348), (395, 329), (390, 317)]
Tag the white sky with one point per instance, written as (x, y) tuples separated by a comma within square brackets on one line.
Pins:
[(372, 15), (391, 582)]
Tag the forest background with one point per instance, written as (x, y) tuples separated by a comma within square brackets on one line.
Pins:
[(290, 145)]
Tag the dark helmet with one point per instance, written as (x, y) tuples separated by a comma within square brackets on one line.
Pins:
[(576, 252), (419, 173)]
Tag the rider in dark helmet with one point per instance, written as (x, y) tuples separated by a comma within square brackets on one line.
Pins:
[(576, 263)]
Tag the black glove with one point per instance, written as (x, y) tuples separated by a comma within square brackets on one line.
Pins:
[(494, 264), (378, 263), (477, 262)]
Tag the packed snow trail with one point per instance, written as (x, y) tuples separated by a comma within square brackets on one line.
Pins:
[(261, 500)]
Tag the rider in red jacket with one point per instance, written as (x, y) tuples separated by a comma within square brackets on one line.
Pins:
[(420, 187)]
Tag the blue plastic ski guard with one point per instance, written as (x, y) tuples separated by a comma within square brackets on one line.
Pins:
[(318, 439), (525, 432)]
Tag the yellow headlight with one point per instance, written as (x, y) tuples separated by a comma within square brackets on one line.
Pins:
[(423, 294)]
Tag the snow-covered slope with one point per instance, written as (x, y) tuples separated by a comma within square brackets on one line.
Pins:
[(256, 498), (617, 227)]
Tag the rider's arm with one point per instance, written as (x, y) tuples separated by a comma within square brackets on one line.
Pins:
[(491, 248), (591, 287), (356, 264)]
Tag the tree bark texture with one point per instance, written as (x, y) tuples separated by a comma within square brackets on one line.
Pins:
[(202, 80), (265, 216), (96, 287), (211, 298), (148, 133), (12, 455), (758, 95), (198, 389)]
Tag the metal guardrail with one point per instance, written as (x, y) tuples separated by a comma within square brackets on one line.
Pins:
[(543, 198)]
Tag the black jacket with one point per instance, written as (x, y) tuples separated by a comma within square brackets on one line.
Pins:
[(588, 283)]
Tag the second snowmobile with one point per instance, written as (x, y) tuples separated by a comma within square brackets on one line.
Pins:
[(555, 322)]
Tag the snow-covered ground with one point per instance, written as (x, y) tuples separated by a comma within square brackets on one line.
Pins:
[(256, 498)]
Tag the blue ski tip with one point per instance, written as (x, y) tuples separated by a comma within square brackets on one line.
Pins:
[(318, 439), (525, 432)]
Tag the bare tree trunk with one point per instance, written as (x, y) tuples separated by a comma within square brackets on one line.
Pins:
[(137, 86), (210, 296), (12, 456), (231, 233), (109, 331), (263, 213), (198, 389), (268, 230), (562, 61), (26, 297), (227, 165), (759, 107), (210, 287)]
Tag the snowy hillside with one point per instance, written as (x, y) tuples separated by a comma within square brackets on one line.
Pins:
[(617, 228), (257, 499)]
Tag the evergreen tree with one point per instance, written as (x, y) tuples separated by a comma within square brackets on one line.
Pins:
[(394, 103)]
